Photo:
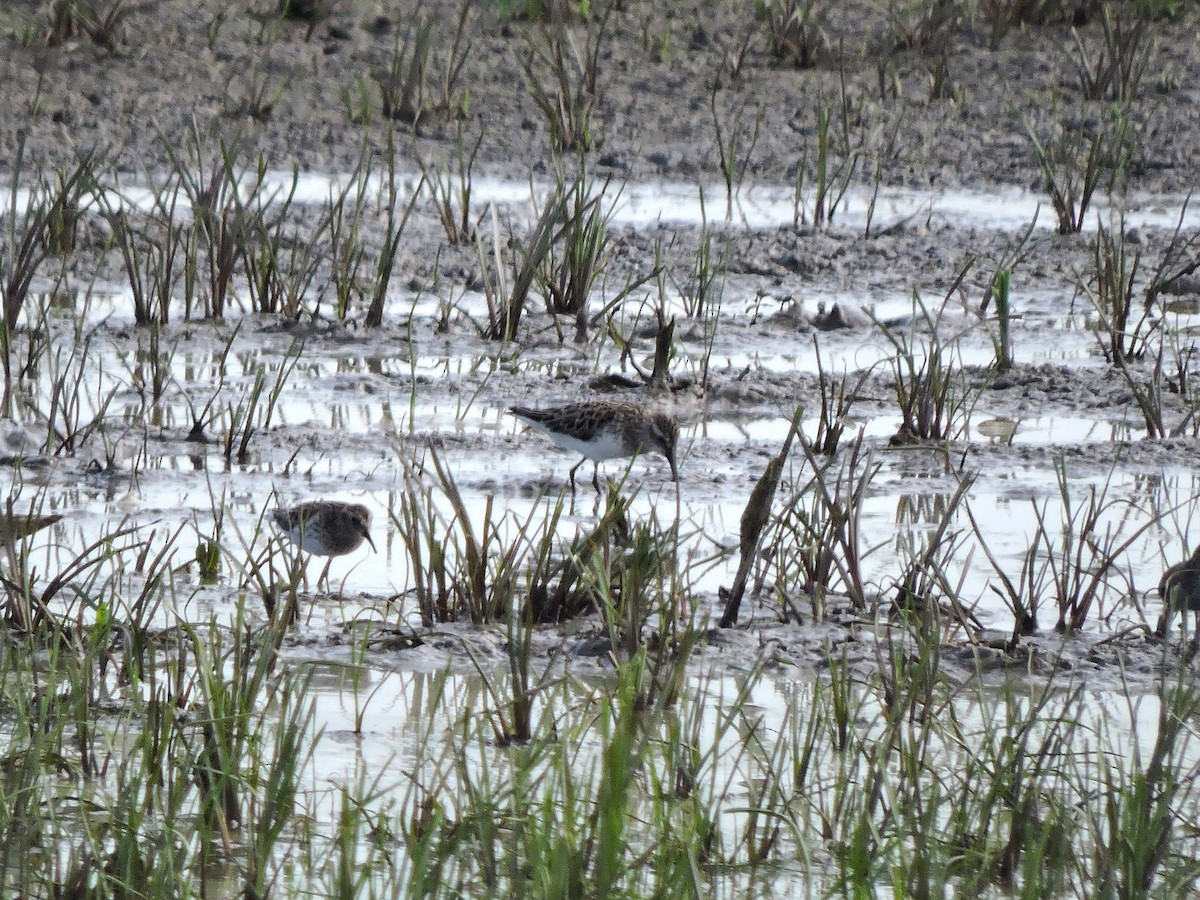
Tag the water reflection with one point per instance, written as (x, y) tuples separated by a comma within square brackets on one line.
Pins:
[(732, 744), (649, 204)]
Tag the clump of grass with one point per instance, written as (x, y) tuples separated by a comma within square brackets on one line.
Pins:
[(208, 560), (45, 224), (403, 84), (627, 573), (1131, 315), (998, 291), (816, 542), (1077, 158), (458, 570), (1085, 555), (259, 97), (21, 252), (927, 593), (562, 582), (100, 20), (579, 251), (66, 198), (639, 599), (451, 191), (253, 413), (735, 146), (836, 396), (1114, 71), (75, 409), (828, 170), (203, 416), (701, 293), (798, 30), (30, 606), (506, 299), (220, 215), (280, 265), (356, 100), (569, 100), (395, 223), (346, 251), (1123, 331), (934, 403), (153, 255), (454, 101), (999, 16), (1024, 593), (927, 25), (942, 85)]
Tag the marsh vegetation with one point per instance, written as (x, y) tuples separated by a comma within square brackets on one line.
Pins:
[(893, 631)]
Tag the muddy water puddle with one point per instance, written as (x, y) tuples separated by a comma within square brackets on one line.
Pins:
[(409, 732), (354, 421), (650, 204), (411, 422), (510, 478)]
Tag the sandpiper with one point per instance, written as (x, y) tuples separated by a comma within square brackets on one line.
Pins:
[(604, 429), (325, 528), (1180, 589)]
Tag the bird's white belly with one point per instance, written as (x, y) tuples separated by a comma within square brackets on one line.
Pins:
[(604, 446)]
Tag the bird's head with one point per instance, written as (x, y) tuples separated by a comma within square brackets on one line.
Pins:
[(664, 435), (362, 519)]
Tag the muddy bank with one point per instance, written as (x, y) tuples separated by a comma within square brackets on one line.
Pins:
[(364, 406), (300, 93), (857, 643)]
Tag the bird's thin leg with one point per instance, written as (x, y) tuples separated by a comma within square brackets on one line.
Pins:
[(596, 476), (293, 607), (574, 470), (1164, 625), (325, 574), (1164, 621)]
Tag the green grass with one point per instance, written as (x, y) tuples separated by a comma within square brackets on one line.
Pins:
[(151, 751), (851, 783)]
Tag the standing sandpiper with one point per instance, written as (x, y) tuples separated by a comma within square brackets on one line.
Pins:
[(605, 429), (1180, 589), (325, 528)]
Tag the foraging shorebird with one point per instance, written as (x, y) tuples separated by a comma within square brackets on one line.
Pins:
[(325, 528), (604, 429), (1180, 589)]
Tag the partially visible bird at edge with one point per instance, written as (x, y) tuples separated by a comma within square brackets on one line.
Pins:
[(1180, 590)]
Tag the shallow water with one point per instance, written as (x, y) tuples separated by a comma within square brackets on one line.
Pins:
[(357, 416), (427, 730), (350, 421), (759, 206), (170, 490)]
